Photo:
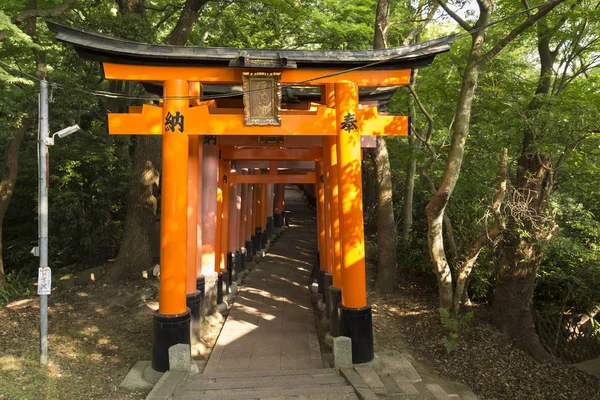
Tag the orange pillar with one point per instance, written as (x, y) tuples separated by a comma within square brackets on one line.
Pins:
[(257, 214), (210, 177), (222, 213), (320, 195), (330, 157), (263, 214), (199, 214), (225, 216), (192, 213), (173, 232), (355, 316), (243, 213), (173, 241), (194, 297), (250, 224), (278, 206), (234, 218)]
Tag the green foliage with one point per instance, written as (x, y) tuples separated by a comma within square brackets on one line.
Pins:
[(454, 324), (569, 278), (19, 284), (15, 41)]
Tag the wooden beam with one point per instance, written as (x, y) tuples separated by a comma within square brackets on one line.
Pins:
[(366, 142), (203, 120), (314, 77), (315, 153), (307, 165), (308, 178)]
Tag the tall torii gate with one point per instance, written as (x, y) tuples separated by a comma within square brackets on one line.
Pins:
[(204, 139)]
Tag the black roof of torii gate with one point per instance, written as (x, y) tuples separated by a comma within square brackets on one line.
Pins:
[(100, 47)]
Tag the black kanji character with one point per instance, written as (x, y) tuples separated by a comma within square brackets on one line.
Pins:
[(349, 123), (172, 121), (210, 138)]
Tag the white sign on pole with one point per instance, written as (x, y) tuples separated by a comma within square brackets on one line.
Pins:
[(44, 281)]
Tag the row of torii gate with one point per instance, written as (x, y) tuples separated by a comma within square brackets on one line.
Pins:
[(226, 161)]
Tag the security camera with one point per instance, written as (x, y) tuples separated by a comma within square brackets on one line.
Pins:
[(62, 133)]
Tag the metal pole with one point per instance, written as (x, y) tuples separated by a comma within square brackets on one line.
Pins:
[(43, 215)]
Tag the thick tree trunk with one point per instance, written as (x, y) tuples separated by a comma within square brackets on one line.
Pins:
[(185, 23), (381, 23), (134, 253), (522, 253), (436, 207), (409, 191), (135, 250), (386, 226), (463, 273), (9, 180)]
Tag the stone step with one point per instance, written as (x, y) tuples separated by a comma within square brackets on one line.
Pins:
[(439, 393), (288, 372), (284, 381), (266, 392), (306, 384)]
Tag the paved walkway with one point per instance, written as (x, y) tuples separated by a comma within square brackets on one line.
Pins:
[(268, 347), (271, 325)]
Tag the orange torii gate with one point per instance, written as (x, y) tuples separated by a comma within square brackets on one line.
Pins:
[(212, 210)]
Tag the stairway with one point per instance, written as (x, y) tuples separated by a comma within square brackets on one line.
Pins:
[(311, 384)]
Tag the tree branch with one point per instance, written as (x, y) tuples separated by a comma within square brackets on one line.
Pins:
[(425, 113), (176, 6), (455, 16), (542, 11), (465, 267), (52, 12)]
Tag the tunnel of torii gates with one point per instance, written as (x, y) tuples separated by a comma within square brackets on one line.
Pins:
[(237, 126)]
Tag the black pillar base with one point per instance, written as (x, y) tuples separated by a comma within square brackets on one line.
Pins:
[(169, 330), (201, 285), (357, 324), (320, 276), (335, 298), (230, 267), (264, 238), (249, 245), (237, 265), (327, 281), (220, 288), (193, 301), (255, 246), (278, 220), (258, 234), (244, 258), (226, 282), (270, 224)]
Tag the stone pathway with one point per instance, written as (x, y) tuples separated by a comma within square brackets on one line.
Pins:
[(271, 325), (268, 347)]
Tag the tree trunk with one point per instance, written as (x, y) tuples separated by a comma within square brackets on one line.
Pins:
[(135, 250), (436, 207), (386, 227), (9, 180), (185, 23), (381, 23), (463, 273), (522, 254), (409, 190)]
